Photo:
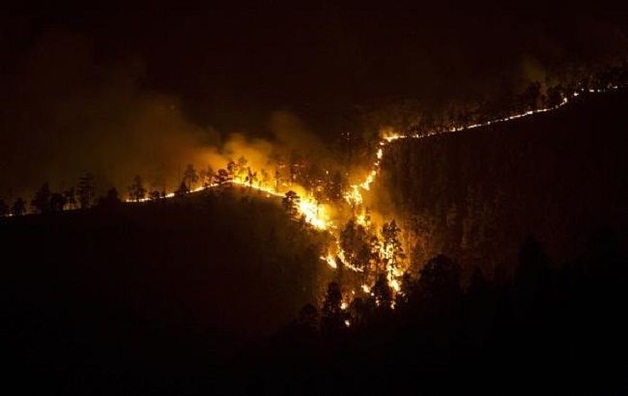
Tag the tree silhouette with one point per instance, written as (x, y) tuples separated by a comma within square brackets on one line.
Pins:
[(295, 166), (265, 180), (531, 96), (332, 321), (70, 198), (41, 200), (291, 203), (391, 247), (111, 199), (190, 177), (182, 190), (251, 177), (137, 191), (19, 207), (207, 176), (334, 187), (375, 247), (223, 178), (85, 190), (382, 293), (555, 95), (232, 169), (57, 202), (154, 195), (439, 283), (360, 313), (242, 166), (354, 241)]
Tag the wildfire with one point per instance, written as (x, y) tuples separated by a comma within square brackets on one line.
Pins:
[(330, 259), (313, 212), (319, 215), (353, 196), (362, 220)]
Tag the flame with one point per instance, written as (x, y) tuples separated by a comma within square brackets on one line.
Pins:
[(330, 260), (394, 284), (314, 214), (362, 220), (353, 196), (318, 215)]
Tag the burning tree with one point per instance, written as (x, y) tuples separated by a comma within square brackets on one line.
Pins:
[(251, 177), (354, 241), (265, 177), (190, 177), (223, 178), (207, 176), (235, 168), (391, 250), (242, 166), (334, 187), (296, 165)]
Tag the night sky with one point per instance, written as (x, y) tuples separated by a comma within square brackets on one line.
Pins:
[(75, 74)]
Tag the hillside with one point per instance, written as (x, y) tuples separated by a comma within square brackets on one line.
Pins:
[(208, 291), (475, 195), (93, 298)]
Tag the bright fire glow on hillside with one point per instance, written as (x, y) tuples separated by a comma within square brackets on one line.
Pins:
[(320, 215)]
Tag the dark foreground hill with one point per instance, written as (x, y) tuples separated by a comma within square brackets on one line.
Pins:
[(557, 176), (146, 297)]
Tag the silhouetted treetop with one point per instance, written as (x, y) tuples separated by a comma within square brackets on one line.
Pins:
[(41, 200)]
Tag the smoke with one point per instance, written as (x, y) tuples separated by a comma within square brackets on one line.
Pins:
[(290, 131), (67, 113)]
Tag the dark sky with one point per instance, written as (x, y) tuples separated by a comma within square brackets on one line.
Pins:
[(229, 65)]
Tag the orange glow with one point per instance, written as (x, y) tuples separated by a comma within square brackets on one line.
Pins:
[(319, 215), (330, 260)]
